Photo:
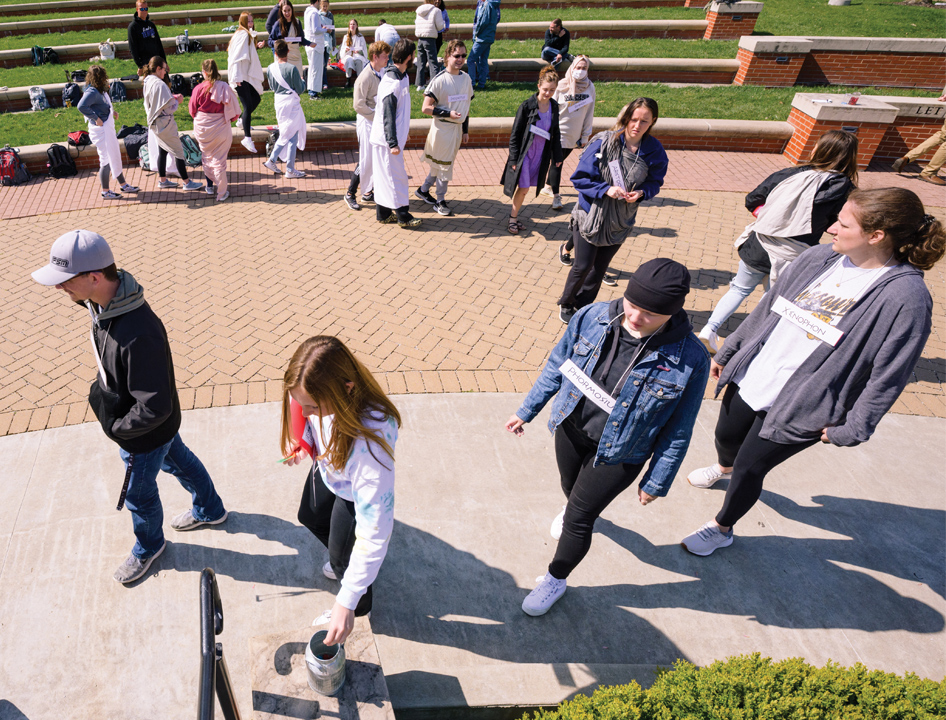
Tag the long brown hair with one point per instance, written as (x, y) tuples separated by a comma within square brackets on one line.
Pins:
[(624, 117), (349, 38), (915, 237), (210, 66), (284, 26), (152, 68), (548, 74), (835, 151), (243, 24), (321, 367), (97, 78)]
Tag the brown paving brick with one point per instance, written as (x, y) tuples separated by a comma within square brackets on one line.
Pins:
[(20, 422)]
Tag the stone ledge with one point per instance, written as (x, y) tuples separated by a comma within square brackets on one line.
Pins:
[(775, 44), (914, 107), (868, 109), (804, 44), (737, 8)]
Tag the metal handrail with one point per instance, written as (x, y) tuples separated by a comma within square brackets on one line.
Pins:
[(214, 676)]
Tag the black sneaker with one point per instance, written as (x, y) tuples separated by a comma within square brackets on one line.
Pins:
[(350, 202), (443, 209), (425, 196), (564, 256), (368, 197), (611, 280), (566, 313)]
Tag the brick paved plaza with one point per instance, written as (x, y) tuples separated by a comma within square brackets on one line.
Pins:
[(458, 306)]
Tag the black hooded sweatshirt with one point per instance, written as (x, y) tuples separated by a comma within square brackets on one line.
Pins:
[(144, 41)]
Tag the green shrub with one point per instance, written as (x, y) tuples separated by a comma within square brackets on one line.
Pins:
[(750, 687)]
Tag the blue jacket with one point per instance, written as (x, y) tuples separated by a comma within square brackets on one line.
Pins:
[(93, 105), (656, 408), (485, 20), (587, 177)]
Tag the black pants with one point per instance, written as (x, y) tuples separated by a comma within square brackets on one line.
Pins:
[(355, 181), (587, 272), (739, 446), (332, 521), (555, 172), (163, 164), (250, 100), (403, 213), (589, 491)]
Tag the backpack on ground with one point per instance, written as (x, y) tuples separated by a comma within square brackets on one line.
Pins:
[(38, 99), (71, 94), (136, 143), (192, 154), (271, 141), (60, 162), (126, 130), (117, 91), (186, 45), (195, 80), (12, 169), (179, 85), (76, 76), (79, 139), (107, 50), (144, 157), (50, 56), (37, 54)]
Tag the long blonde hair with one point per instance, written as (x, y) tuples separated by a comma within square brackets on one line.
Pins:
[(321, 367), (210, 66), (243, 24)]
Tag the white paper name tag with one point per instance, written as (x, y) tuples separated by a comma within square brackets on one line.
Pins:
[(456, 98), (571, 372), (540, 132), (586, 101), (617, 177), (815, 327), (293, 39)]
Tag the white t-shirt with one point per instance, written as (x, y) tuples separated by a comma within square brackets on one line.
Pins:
[(828, 298)]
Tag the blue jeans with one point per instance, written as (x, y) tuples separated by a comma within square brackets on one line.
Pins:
[(291, 156), (143, 501), (477, 63), (549, 55), (740, 288)]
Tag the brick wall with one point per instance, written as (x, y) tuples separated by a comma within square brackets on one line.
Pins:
[(768, 69), (906, 133), (728, 26), (888, 69), (808, 130)]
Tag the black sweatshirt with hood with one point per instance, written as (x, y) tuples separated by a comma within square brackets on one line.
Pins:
[(139, 409)]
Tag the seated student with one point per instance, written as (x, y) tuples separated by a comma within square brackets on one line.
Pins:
[(354, 53), (287, 84), (557, 39)]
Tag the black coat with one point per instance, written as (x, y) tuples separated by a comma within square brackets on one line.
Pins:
[(144, 41), (520, 140)]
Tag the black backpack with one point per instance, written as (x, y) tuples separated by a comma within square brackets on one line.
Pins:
[(271, 141), (179, 85), (134, 142), (71, 95), (50, 56), (76, 76), (60, 162), (117, 91), (37, 54), (195, 80)]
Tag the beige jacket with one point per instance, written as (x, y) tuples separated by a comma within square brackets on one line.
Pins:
[(366, 93)]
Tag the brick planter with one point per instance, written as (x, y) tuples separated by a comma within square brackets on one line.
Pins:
[(728, 22), (917, 119), (770, 62)]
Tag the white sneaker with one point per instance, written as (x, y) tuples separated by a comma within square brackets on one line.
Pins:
[(328, 572), (710, 340), (557, 202), (270, 165), (706, 539), (547, 191), (556, 530), (293, 174), (706, 477), (547, 592), (248, 144)]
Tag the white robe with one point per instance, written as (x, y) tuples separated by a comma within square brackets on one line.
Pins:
[(289, 116), (106, 142), (391, 182)]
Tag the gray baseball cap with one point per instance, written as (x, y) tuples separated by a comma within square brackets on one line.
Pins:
[(77, 251)]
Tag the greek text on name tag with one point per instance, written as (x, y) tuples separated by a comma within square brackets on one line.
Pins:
[(571, 372), (806, 321), (540, 132), (456, 98), (581, 104), (617, 177)]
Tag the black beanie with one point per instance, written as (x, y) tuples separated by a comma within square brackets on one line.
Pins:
[(659, 286)]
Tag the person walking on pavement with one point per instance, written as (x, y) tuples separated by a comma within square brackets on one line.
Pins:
[(134, 395), (144, 42), (245, 74), (214, 106), (930, 173), (826, 353), (485, 19), (388, 137), (287, 85), (428, 24), (628, 378), (365, 101), (447, 99), (315, 51), (96, 106)]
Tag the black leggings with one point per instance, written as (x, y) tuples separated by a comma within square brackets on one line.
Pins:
[(332, 520), (250, 100), (555, 172), (588, 268), (163, 164), (739, 446), (589, 491)]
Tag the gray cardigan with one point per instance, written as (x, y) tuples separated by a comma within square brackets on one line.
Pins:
[(93, 105), (849, 387)]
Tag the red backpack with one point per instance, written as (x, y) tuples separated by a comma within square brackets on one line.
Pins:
[(12, 169)]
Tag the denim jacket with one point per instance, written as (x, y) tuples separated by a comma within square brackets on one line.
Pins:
[(654, 412)]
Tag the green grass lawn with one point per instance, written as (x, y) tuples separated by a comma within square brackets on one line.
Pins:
[(27, 75), (499, 100)]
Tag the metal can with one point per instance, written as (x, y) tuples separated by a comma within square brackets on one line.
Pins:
[(325, 664)]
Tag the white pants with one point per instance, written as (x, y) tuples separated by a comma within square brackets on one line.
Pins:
[(390, 176), (365, 165), (316, 56)]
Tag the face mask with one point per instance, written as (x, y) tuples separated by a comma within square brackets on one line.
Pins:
[(580, 74)]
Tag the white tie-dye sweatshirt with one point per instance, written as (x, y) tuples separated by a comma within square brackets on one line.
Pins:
[(367, 480)]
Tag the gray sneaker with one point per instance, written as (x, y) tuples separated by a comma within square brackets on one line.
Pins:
[(166, 184), (193, 185), (707, 539), (187, 521), (134, 568)]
